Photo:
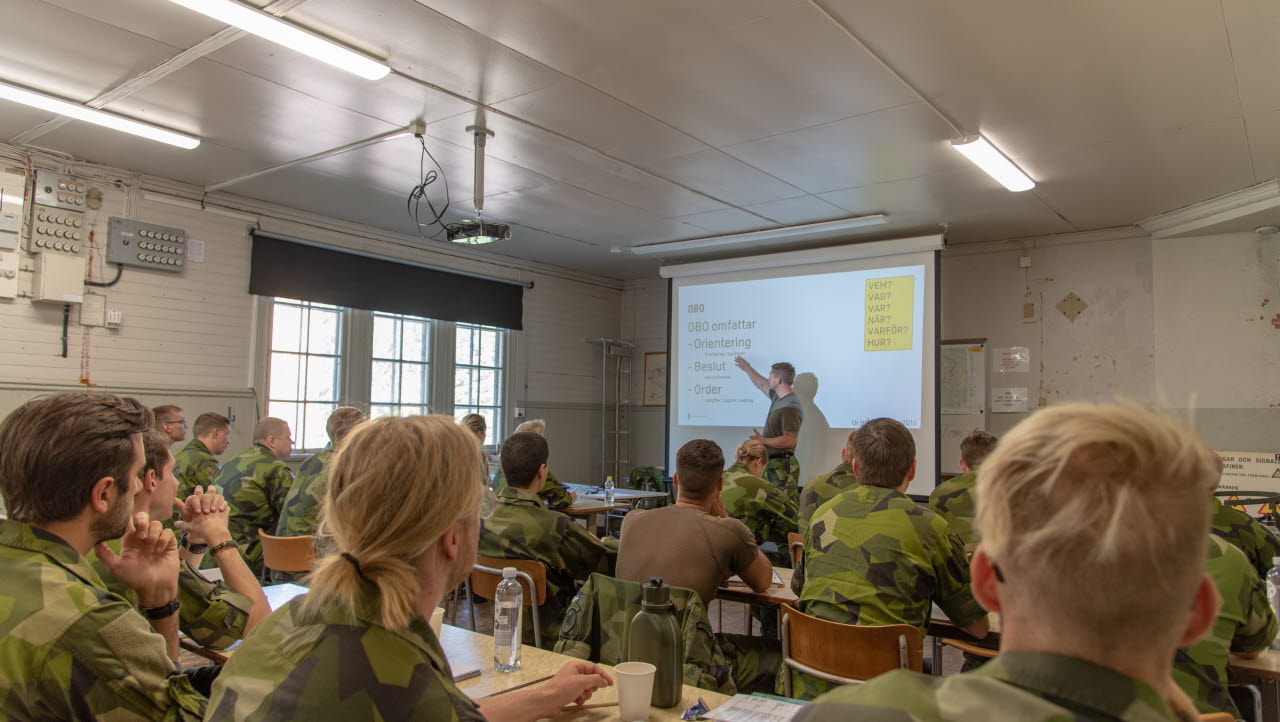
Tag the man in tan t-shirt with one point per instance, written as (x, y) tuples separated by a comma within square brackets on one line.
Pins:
[(697, 545)]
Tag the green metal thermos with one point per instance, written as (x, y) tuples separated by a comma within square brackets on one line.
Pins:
[(654, 637)]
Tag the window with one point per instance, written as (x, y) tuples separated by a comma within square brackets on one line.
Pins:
[(401, 379), (305, 368), (477, 380)]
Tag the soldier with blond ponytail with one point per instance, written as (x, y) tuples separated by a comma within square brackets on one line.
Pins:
[(402, 511)]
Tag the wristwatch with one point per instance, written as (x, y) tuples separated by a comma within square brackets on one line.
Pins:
[(162, 611), (193, 548), (228, 544)]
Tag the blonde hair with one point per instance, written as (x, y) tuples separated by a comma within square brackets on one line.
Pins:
[(475, 423), (537, 426), (750, 449), (1104, 499), (396, 485)]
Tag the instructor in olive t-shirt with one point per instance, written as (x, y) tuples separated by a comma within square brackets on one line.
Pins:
[(781, 426)]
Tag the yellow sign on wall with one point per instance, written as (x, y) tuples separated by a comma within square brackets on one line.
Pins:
[(890, 305)]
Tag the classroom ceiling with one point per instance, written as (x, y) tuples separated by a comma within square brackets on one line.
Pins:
[(623, 123)]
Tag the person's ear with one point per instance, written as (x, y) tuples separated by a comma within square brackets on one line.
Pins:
[(964, 467), (720, 483), (103, 494), (1204, 612), (451, 540), (985, 582), (149, 480), (675, 480), (854, 462), (911, 473)]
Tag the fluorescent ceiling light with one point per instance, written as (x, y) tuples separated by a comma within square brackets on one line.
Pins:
[(92, 115), (988, 158), (765, 235), (276, 30)]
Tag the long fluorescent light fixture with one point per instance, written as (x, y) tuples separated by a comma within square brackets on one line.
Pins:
[(988, 158), (765, 235), (278, 31), (92, 115)]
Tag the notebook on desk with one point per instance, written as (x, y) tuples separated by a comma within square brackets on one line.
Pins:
[(735, 579)]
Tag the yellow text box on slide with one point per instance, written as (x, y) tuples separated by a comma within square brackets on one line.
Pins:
[(890, 306)]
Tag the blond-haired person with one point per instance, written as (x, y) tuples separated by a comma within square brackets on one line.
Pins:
[(358, 646), (476, 424), (1093, 527), (768, 512)]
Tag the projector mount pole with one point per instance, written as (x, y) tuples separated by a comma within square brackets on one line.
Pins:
[(480, 134)]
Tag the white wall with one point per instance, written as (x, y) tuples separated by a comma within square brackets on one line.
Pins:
[(644, 323)]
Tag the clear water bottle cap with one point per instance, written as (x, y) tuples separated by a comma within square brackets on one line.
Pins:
[(508, 572)]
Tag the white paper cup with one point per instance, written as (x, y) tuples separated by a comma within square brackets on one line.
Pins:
[(437, 619), (635, 690)]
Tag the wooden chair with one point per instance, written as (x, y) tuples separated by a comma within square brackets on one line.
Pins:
[(844, 653), (287, 553), (1217, 717), (795, 542), (973, 649), (486, 575)]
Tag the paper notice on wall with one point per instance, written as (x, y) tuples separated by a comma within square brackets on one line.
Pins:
[(1250, 471), (1010, 400), (1012, 360)]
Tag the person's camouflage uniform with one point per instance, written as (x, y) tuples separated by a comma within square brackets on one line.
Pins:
[(596, 623), (1246, 623), (255, 484), (649, 478), (953, 500), (766, 511), (213, 615), (822, 489), (332, 665), (1023, 686), (874, 557), (302, 505), (1246, 534), (554, 494), (194, 465), (70, 649), (784, 473)]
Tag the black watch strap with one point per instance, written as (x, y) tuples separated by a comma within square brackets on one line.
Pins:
[(193, 548), (161, 612)]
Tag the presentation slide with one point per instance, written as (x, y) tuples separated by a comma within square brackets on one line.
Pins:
[(870, 328)]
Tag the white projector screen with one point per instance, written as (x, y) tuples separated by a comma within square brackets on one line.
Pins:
[(858, 323)]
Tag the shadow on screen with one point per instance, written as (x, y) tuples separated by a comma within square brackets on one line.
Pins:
[(815, 427)]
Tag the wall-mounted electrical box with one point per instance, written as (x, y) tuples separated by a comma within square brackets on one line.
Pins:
[(58, 190), (58, 278), (9, 273), (57, 215), (10, 224), (160, 248)]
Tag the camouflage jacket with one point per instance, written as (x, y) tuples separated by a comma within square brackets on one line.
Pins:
[(953, 500), (822, 489), (597, 620), (1247, 534), (331, 666), (1023, 686), (521, 528), (784, 473), (302, 505), (194, 465), (255, 484), (212, 614), (72, 650), (767, 512), (1245, 623), (554, 494)]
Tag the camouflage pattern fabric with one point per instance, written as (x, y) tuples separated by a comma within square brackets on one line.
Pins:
[(554, 494), (521, 528), (194, 465), (649, 478), (1023, 686), (213, 615), (874, 557), (302, 506), (822, 489), (767, 512), (255, 484), (1245, 623), (953, 500), (596, 623), (335, 666), (784, 473), (72, 650), (1246, 534)]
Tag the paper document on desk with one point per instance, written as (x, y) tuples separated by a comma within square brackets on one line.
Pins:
[(461, 673), (735, 579), (744, 708)]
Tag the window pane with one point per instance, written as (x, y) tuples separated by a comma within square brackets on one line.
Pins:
[(285, 372), (324, 332), (378, 411), (384, 337), (322, 379), (415, 341), (488, 348), (314, 435), (411, 384), (286, 411), (488, 387), (384, 382), (286, 328), (462, 347), (462, 393)]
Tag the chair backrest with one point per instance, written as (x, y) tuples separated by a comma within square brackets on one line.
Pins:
[(486, 583), (1217, 717), (287, 553), (796, 543), (845, 653)]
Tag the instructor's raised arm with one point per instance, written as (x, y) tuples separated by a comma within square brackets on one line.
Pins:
[(760, 382)]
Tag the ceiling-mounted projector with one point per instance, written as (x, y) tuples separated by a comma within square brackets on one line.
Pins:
[(477, 232)]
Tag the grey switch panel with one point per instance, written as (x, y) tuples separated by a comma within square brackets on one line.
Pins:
[(146, 245)]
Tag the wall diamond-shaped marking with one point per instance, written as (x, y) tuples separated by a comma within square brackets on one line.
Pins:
[(1072, 306)]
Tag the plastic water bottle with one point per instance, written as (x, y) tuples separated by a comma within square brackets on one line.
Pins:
[(509, 599), (1273, 593), (608, 490)]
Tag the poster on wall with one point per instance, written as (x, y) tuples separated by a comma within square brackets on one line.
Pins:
[(655, 379), (1012, 360), (1250, 471)]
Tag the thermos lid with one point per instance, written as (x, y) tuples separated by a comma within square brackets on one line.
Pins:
[(656, 594)]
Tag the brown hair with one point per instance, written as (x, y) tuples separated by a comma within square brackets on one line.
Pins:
[(786, 372), (209, 422), (884, 450), (155, 451), (976, 446), (433, 470), (699, 464), (55, 448), (523, 453), (162, 413), (269, 426), (342, 421)]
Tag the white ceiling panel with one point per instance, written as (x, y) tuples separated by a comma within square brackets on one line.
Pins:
[(728, 221), (166, 22), (201, 166), (569, 211), (799, 211), (1264, 141), (721, 175), (1253, 27)]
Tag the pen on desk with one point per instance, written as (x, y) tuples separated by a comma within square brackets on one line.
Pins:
[(530, 683)]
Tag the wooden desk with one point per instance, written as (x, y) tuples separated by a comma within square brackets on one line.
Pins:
[(626, 495), (1265, 667), (588, 508), (772, 597)]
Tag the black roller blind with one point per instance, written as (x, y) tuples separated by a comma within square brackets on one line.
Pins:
[(324, 275)]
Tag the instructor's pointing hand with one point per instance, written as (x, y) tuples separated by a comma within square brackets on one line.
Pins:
[(741, 363)]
